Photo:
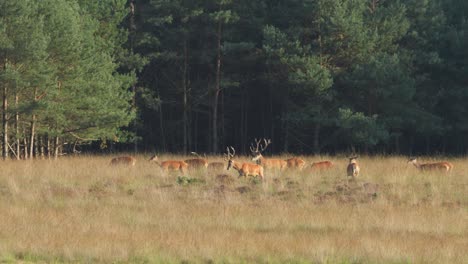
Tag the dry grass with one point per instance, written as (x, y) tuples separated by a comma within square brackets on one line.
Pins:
[(82, 210)]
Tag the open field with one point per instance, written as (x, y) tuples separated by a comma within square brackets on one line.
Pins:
[(82, 210)]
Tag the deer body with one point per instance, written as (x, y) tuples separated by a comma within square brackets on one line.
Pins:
[(295, 163), (353, 167), (197, 163), (248, 169), (124, 160), (270, 163), (216, 166), (266, 163), (322, 165), (171, 164), (245, 169), (445, 166)]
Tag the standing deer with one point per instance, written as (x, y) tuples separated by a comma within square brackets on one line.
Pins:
[(353, 167), (124, 160), (171, 164), (245, 169), (216, 166), (196, 163), (266, 163), (295, 163), (321, 165), (444, 165)]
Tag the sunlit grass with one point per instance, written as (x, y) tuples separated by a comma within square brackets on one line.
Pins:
[(81, 209)]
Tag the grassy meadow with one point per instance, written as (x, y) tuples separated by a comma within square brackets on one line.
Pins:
[(80, 209)]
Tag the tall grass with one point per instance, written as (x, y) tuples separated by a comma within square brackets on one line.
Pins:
[(82, 210)]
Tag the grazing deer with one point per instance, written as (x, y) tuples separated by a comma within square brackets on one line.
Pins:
[(244, 169), (196, 163), (353, 167), (295, 163), (216, 166), (173, 165), (124, 160), (321, 165), (445, 166), (267, 163)]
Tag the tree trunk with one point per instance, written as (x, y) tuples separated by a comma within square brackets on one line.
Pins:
[(397, 144), (217, 92), (17, 134), (5, 122), (56, 147), (242, 122), (32, 136), (428, 144), (49, 150), (36, 147), (41, 148), (317, 138), (25, 147), (185, 106), (132, 43), (161, 127), (286, 136)]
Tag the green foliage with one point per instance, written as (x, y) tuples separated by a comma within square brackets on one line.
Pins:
[(360, 129), (66, 68), (185, 181)]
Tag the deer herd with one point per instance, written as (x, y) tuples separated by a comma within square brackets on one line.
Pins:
[(259, 163)]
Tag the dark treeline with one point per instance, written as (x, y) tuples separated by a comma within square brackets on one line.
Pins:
[(315, 76)]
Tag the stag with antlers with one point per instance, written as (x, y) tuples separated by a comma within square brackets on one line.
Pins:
[(258, 157), (245, 169)]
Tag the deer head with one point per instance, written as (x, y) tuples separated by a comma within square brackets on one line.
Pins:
[(259, 148), (353, 159), (229, 155)]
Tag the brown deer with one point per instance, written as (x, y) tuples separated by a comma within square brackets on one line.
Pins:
[(444, 165), (266, 163), (196, 163), (245, 169), (321, 165), (353, 167), (124, 160), (174, 165), (295, 163), (216, 166)]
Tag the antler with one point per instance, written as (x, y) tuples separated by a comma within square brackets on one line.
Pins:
[(258, 145), (255, 149), (229, 155), (233, 152), (267, 142)]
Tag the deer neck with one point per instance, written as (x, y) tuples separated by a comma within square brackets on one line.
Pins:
[(259, 159), (416, 164), (237, 166)]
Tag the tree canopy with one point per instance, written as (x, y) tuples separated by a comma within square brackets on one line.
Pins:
[(315, 76)]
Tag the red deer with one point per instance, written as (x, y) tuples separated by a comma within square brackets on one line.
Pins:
[(216, 166), (266, 163), (444, 166), (173, 165), (197, 163), (295, 163), (353, 167), (124, 160), (321, 165), (244, 169)]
